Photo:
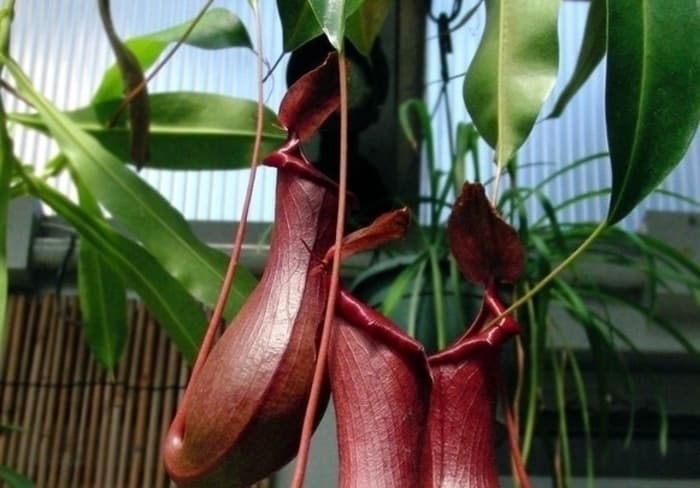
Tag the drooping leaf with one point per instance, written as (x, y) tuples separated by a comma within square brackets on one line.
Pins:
[(188, 130), (364, 24), (138, 207), (485, 247), (332, 15), (299, 24), (102, 306), (589, 56), (179, 314), (652, 101), (217, 29), (132, 79), (512, 72), (311, 99), (14, 479), (102, 295)]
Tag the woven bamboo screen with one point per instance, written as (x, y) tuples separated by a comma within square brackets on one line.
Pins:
[(66, 422)]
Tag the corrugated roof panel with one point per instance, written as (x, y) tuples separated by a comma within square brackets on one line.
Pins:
[(62, 47), (579, 132)]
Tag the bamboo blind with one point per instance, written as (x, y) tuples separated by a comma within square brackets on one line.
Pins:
[(67, 423)]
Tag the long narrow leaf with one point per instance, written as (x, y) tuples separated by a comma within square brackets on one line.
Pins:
[(138, 207), (652, 98), (6, 159), (512, 72), (177, 312), (585, 418), (666, 326), (189, 131), (397, 290), (102, 295), (14, 479), (217, 29), (589, 56)]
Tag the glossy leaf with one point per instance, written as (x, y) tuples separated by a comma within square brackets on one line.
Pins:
[(188, 130), (486, 248), (179, 314), (13, 479), (102, 295), (299, 24), (652, 101), (139, 208), (364, 25), (217, 29), (331, 16), (512, 72), (589, 56)]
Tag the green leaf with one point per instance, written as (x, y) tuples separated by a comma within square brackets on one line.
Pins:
[(512, 72), (14, 479), (652, 100), (591, 53), (363, 26), (188, 130), (6, 159), (331, 16), (299, 24), (217, 29), (177, 312), (102, 295), (138, 207), (103, 306)]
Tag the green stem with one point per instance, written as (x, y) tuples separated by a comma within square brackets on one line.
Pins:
[(6, 160), (411, 327), (531, 409), (553, 274), (438, 298), (558, 371)]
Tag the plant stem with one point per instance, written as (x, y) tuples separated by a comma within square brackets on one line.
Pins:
[(517, 464), (437, 298), (6, 159), (559, 374), (553, 274), (139, 88), (320, 369), (531, 408), (411, 326)]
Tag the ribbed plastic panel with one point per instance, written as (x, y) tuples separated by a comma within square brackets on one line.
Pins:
[(579, 132), (63, 48)]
